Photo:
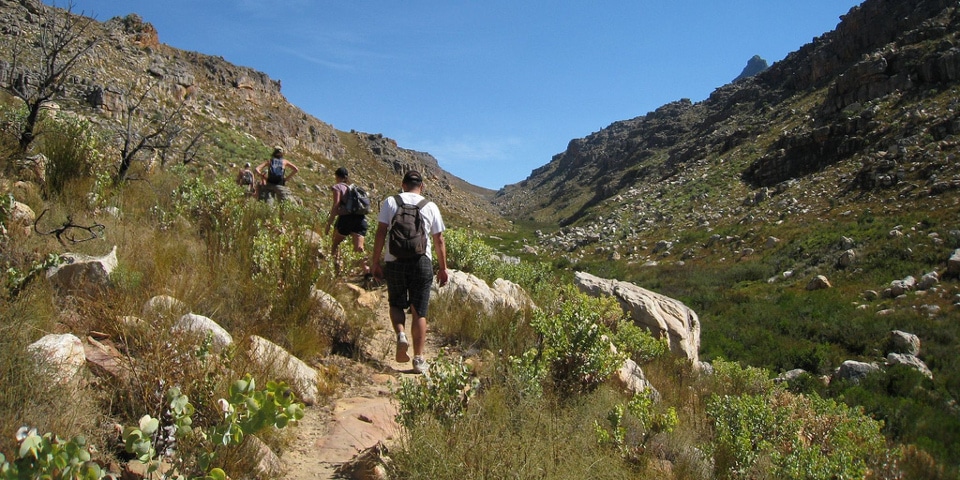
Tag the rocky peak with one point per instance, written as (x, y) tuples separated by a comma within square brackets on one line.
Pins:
[(755, 65)]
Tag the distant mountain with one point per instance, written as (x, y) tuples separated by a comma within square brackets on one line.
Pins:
[(843, 97), (754, 66)]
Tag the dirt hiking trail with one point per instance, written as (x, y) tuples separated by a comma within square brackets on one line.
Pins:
[(363, 411)]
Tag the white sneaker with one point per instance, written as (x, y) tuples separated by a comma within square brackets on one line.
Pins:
[(420, 365), (402, 346)]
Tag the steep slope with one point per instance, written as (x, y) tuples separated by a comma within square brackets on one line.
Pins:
[(237, 113), (843, 97)]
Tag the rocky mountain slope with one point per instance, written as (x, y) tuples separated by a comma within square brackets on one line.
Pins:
[(867, 110), (239, 113)]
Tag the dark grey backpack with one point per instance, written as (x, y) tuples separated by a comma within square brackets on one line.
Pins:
[(408, 235)]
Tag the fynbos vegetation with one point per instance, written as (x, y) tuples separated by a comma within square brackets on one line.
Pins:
[(810, 223)]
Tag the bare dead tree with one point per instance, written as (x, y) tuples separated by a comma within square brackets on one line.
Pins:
[(38, 75), (148, 126), (192, 148), (66, 232)]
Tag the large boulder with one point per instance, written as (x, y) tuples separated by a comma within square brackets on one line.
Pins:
[(665, 317), (909, 360), (468, 288), (855, 371), (903, 342), (82, 274), (62, 353), (301, 377)]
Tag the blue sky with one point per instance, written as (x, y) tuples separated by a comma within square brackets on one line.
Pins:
[(492, 89)]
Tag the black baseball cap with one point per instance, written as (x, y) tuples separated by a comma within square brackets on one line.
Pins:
[(412, 178)]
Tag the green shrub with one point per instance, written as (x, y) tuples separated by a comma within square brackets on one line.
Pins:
[(72, 150), (575, 347), (780, 435), (441, 394)]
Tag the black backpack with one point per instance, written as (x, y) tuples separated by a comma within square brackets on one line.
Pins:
[(275, 171), (355, 201), (408, 235)]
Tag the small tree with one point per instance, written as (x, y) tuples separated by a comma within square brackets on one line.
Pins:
[(39, 69), (147, 125)]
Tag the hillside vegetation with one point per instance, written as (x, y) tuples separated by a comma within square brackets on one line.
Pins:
[(840, 160), (732, 205)]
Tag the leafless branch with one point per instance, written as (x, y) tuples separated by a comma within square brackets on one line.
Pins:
[(65, 232)]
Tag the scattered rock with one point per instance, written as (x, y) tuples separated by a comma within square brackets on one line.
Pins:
[(192, 322), (369, 464), (163, 305), (855, 371), (63, 353), (789, 376), (82, 274), (909, 360), (953, 264), (22, 217), (630, 377), (104, 360), (903, 342), (819, 282), (301, 377)]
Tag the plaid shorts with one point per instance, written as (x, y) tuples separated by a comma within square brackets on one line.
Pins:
[(409, 282)]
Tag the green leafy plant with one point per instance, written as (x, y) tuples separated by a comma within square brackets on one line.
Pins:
[(442, 394), (575, 346), (47, 456), (245, 411), (638, 419)]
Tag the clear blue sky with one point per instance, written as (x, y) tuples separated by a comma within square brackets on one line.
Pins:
[(492, 89)]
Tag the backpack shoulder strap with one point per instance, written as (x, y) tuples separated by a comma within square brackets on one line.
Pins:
[(422, 203)]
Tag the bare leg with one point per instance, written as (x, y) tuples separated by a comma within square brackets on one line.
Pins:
[(335, 249), (398, 318), (418, 327), (358, 247)]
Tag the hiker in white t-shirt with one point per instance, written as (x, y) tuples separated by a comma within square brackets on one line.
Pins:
[(408, 267)]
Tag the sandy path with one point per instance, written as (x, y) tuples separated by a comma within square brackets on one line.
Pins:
[(328, 435)]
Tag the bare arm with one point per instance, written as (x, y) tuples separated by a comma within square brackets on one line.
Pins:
[(334, 209), (440, 248), (378, 243), (292, 167)]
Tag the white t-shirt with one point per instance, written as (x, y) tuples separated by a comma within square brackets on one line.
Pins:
[(433, 222)]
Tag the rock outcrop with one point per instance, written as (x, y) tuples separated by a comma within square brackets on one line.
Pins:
[(663, 316)]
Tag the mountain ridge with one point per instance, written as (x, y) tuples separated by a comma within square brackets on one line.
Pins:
[(242, 109), (658, 145)]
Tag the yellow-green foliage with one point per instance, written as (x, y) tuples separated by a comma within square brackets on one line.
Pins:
[(781, 435)]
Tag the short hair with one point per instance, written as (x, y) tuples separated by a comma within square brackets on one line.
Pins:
[(412, 178)]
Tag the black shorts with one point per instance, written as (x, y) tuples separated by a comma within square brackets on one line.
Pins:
[(409, 282), (352, 224)]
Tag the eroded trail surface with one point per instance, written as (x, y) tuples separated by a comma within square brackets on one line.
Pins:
[(363, 413)]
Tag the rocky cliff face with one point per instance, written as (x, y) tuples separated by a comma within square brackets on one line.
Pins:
[(224, 97), (865, 92)]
